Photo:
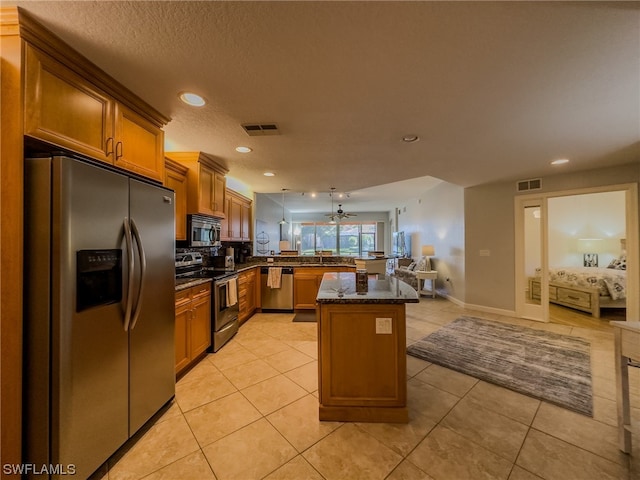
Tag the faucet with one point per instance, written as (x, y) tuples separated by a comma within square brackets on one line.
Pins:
[(321, 257)]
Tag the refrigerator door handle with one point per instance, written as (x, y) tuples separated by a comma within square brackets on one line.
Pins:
[(130, 267), (143, 273)]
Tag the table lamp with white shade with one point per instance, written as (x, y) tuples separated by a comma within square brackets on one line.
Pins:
[(428, 251)]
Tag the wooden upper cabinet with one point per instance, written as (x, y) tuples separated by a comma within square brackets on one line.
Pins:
[(140, 144), (245, 222), (63, 108), (206, 183), (175, 178), (219, 192), (206, 190), (237, 225)]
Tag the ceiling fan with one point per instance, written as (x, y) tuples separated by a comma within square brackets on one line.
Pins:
[(340, 213)]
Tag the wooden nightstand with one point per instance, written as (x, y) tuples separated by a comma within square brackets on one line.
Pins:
[(427, 275)]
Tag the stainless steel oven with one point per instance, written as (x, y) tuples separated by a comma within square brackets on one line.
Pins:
[(203, 231), (225, 309)]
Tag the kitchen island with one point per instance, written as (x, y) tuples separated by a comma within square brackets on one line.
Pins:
[(362, 349)]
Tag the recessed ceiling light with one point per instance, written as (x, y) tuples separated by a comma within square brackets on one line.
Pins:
[(244, 149), (192, 99), (410, 138), (269, 174), (560, 161)]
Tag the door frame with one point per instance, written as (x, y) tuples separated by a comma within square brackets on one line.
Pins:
[(632, 233), (523, 309)]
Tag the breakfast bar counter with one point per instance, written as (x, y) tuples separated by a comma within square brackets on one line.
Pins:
[(362, 349)]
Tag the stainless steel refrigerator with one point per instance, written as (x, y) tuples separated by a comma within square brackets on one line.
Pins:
[(99, 310)]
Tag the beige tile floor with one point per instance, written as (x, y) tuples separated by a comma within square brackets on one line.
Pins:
[(250, 412)]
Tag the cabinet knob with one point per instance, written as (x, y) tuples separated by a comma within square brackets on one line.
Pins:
[(118, 150)]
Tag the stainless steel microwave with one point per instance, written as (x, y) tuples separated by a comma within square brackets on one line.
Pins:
[(203, 231)]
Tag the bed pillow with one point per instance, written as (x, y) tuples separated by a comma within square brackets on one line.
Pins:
[(411, 266), (619, 263)]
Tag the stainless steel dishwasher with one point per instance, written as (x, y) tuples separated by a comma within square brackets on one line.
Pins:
[(277, 299)]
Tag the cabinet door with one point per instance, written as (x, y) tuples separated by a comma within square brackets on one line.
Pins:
[(139, 144), (206, 181), (183, 316), (245, 222), (178, 183), (305, 290), (235, 212), (63, 109), (219, 194), (200, 332), (247, 292), (225, 223)]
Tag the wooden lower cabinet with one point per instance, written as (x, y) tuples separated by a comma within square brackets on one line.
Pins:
[(247, 293), (306, 282), (362, 371), (193, 325)]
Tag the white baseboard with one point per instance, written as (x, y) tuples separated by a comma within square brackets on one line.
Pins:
[(481, 308)]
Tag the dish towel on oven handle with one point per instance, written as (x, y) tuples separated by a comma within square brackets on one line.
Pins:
[(274, 277), (232, 292)]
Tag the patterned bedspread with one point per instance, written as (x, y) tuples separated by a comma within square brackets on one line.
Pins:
[(608, 281)]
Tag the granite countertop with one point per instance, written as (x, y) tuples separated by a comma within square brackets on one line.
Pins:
[(341, 288), (191, 283), (242, 267), (247, 266)]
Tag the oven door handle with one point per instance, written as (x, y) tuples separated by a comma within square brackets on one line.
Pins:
[(143, 273)]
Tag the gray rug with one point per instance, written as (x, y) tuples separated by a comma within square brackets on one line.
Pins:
[(548, 366)]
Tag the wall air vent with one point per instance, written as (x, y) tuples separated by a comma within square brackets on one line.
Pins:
[(534, 184), (256, 129)]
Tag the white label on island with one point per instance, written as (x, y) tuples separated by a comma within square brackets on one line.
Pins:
[(383, 325)]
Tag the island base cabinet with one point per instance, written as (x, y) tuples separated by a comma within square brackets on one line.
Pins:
[(362, 363)]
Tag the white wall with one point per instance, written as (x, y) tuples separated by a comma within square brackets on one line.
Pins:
[(436, 218), (268, 215), (594, 215)]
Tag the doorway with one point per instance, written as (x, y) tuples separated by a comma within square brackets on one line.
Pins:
[(566, 229)]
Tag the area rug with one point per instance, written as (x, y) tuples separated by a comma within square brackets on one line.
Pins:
[(305, 317), (545, 365)]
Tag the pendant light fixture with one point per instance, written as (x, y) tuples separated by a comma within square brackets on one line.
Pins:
[(332, 219), (283, 221)]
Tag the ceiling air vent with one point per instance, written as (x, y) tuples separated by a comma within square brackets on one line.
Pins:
[(534, 184), (255, 129)]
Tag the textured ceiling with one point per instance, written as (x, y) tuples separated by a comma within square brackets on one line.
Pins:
[(494, 90)]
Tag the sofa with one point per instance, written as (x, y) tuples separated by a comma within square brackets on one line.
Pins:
[(406, 270)]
